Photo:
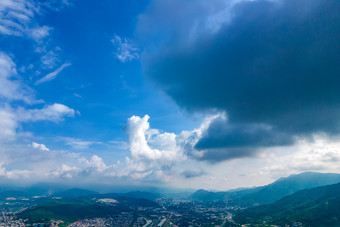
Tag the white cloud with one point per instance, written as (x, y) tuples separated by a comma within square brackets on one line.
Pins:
[(125, 50), (55, 112), (16, 16), (38, 146), (49, 58), (11, 88), (14, 174), (78, 144), (40, 33), (319, 154), (65, 171), (165, 147), (52, 75), (95, 164), (154, 154), (8, 125)]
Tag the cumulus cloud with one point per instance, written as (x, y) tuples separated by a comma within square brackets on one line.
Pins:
[(52, 75), (272, 66), (14, 174), (95, 164), (66, 171), (33, 162), (155, 154), (125, 51), (141, 138)]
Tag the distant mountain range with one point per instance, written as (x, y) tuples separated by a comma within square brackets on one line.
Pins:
[(318, 206), (310, 198), (269, 193)]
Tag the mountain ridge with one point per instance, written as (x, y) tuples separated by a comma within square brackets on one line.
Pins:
[(269, 193)]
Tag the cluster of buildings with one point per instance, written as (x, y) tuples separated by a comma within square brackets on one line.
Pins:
[(9, 219)]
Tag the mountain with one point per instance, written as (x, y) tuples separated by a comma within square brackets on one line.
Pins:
[(74, 193), (282, 187), (142, 194), (318, 206), (271, 192), (207, 196), (69, 211), (85, 207)]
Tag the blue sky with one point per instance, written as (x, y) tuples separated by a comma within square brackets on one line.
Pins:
[(204, 94)]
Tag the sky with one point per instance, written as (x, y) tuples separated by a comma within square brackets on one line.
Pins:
[(213, 94)]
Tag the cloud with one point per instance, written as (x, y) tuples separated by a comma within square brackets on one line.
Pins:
[(66, 171), (125, 50), (32, 162), (16, 15), (192, 173), (142, 139), (322, 155), (41, 147), (14, 174), (55, 112), (272, 66), (223, 140), (11, 87), (94, 165), (52, 75), (40, 33), (8, 125), (12, 90), (78, 144)]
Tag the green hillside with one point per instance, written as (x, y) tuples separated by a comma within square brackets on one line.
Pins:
[(285, 186), (313, 207), (83, 208), (271, 192), (68, 211)]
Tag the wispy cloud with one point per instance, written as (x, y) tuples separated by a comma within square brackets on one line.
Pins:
[(52, 75), (40, 32), (11, 88), (125, 51), (16, 17), (55, 113), (78, 144)]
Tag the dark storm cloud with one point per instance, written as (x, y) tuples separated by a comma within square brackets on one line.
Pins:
[(223, 134), (224, 140), (274, 64)]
